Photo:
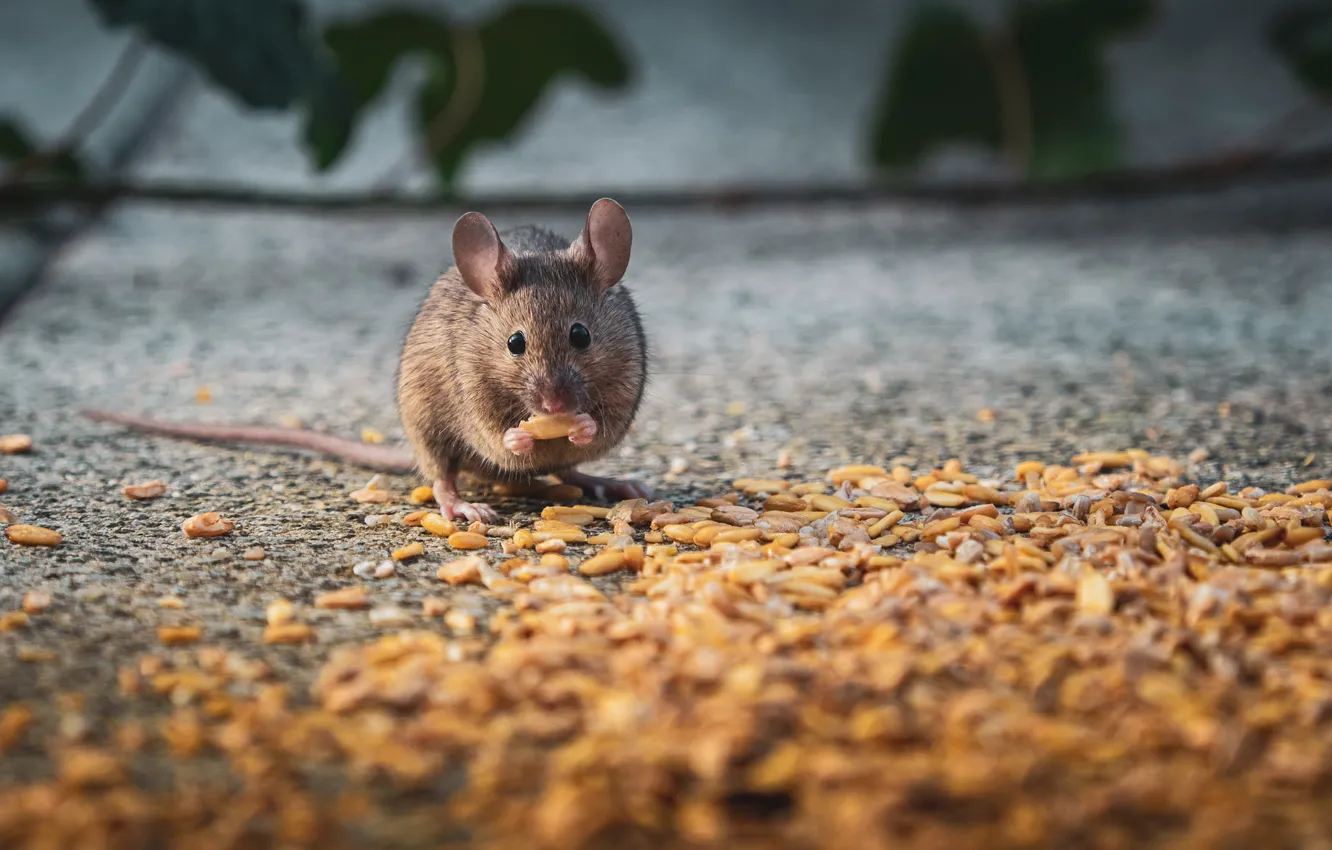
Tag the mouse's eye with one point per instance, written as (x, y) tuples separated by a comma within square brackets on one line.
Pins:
[(580, 337), (517, 344)]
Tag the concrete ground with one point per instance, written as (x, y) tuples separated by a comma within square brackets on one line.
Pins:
[(847, 335), (837, 334)]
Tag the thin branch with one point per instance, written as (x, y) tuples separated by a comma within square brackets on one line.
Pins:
[(469, 64), (1188, 177), (1277, 136), (92, 115), (1014, 100)]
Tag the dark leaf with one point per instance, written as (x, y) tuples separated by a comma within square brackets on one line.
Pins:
[(526, 47), (1074, 130), (939, 90), (330, 121), (1303, 36), (257, 49), (14, 142), (16, 146), (364, 53), (945, 86)]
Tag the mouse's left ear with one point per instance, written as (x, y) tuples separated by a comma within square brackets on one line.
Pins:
[(480, 256), (604, 243)]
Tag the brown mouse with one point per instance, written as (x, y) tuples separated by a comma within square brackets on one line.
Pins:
[(523, 324)]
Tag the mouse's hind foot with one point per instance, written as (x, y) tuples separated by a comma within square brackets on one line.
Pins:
[(452, 505), (606, 488)]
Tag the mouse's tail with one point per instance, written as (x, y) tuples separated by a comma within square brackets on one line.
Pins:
[(382, 458)]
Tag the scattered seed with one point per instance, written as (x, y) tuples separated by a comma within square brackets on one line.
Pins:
[(36, 601), (13, 620), (411, 550), (568, 516), (603, 563), (344, 598), (279, 611), (148, 490), (467, 540), (466, 570), (210, 524), (421, 495), (32, 535), (178, 635), (254, 553), (13, 444), (1095, 596), (370, 435), (34, 654), (371, 493), (438, 525), (387, 616), (288, 633)]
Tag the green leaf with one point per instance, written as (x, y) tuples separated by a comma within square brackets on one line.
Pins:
[(257, 49), (947, 85), (14, 142), (330, 121), (364, 53), (526, 47), (16, 145), (1074, 130), (1302, 35), (939, 91)]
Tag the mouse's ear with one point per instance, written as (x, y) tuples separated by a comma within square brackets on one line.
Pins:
[(479, 254), (604, 243)]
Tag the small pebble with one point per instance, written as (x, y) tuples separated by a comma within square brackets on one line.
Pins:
[(365, 569), (390, 615)]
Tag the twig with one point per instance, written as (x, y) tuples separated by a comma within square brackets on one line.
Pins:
[(1272, 139), (89, 118), (1131, 183), (469, 64), (1014, 101)]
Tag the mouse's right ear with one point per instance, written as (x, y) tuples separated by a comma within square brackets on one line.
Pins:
[(480, 256)]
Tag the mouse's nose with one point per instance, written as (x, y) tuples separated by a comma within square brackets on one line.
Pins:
[(553, 403)]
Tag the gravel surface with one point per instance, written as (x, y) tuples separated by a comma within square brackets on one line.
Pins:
[(838, 335)]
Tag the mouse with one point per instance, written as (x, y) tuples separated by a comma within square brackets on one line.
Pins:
[(525, 324)]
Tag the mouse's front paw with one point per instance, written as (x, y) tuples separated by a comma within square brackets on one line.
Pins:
[(519, 441), (473, 511), (583, 430)]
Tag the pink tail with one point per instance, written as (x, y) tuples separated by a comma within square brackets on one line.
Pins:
[(383, 458)]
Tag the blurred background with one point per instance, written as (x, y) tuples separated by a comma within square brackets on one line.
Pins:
[(531, 102)]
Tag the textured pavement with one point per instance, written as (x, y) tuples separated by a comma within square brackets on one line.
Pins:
[(867, 335), (845, 335), (835, 334)]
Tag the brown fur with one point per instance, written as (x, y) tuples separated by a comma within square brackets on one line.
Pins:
[(459, 388)]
